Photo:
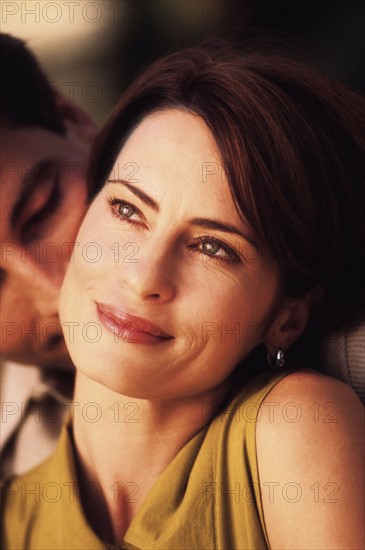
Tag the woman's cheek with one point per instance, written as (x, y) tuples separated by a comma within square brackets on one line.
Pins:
[(98, 243)]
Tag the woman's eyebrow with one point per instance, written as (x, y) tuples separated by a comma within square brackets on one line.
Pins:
[(35, 177), (146, 199), (200, 222), (223, 226)]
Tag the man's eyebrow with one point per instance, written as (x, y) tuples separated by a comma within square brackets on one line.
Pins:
[(146, 199), (223, 226), (39, 173)]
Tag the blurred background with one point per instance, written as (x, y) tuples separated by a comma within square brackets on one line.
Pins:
[(92, 49)]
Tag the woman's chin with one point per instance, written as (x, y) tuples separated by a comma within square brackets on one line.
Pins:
[(127, 376)]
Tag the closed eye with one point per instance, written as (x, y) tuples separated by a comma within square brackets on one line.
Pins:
[(45, 202)]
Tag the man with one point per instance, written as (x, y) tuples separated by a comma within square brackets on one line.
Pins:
[(45, 142)]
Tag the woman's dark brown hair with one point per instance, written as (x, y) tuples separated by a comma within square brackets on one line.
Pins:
[(292, 143)]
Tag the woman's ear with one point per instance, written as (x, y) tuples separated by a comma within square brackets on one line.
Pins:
[(291, 321), (76, 120)]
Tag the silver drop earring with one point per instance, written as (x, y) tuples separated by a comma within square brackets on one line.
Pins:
[(279, 359)]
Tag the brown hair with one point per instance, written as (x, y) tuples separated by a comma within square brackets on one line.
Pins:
[(292, 143), (26, 96)]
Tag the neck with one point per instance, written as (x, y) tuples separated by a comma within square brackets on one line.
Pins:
[(124, 444)]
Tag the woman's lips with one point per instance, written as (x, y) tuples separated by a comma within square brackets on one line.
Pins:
[(129, 328)]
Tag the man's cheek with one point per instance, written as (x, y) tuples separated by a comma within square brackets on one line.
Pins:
[(12, 336)]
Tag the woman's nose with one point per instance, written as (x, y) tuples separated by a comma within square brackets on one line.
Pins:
[(152, 275)]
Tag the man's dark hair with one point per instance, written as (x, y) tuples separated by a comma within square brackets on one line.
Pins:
[(26, 96)]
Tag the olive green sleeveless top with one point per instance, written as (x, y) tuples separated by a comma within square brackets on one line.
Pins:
[(208, 497)]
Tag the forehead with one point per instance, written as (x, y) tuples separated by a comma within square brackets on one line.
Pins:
[(173, 154), (28, 145), (177, 135)]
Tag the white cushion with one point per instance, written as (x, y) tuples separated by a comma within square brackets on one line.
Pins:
[(343, 356)]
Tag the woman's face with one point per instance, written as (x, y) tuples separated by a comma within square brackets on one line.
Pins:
[(166, 291)]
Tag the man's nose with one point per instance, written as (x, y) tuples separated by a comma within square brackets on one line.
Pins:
[(40, 281)]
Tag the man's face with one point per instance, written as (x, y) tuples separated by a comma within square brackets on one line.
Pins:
[(43, 200)]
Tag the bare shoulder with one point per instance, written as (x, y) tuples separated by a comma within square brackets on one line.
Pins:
[(312, 398), (310, 453)]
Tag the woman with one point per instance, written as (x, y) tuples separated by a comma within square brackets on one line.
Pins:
[(228, 212)]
